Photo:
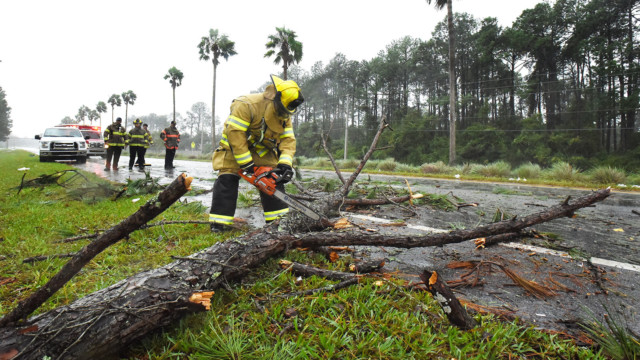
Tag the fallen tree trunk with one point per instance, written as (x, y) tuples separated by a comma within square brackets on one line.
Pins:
[(104, 323)]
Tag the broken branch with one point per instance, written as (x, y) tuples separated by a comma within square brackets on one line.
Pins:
[(452, 308), (148, 211)]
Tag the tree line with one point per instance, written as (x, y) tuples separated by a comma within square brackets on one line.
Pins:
[(561, 83)]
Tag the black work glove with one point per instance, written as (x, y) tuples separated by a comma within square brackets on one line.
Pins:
[(286, 173), (248, 167)]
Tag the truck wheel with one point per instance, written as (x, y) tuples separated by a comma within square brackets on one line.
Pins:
[(81, 159)]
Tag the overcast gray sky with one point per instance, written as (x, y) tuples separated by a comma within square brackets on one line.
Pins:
[(59, 55)]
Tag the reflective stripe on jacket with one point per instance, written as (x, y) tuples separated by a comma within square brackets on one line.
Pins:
[(137, 137), (171, 137), (114, 135), (149, 141), (254, 127)]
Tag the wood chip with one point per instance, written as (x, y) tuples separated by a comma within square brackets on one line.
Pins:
[(202, 298), (342, 224)]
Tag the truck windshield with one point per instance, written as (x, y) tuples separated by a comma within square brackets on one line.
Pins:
[(62, 132), (91, 134)]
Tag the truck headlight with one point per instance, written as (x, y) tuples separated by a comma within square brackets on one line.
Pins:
[(82, 145), (44, 144)]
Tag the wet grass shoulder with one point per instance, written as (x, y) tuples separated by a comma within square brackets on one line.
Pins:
[(35, 221), (378, 318)]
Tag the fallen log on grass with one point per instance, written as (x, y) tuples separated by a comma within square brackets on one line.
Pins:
[(104, 323), (148, 211)]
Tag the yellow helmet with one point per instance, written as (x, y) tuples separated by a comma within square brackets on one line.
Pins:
[(137, 121), (288, 93)]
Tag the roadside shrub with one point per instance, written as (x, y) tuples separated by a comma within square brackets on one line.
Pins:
[(299, 160), (438, 167), (634, 179), (348, 164), (372, 164), (404, 168), (464, 169), (528, 171), (322, 163), (562, 171), (496, 169), (608, 175), (387, 165)]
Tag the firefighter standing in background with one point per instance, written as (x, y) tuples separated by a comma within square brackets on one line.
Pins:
[(137, 138), (171, 138), (143, 152), (258, 132), (114, 137)]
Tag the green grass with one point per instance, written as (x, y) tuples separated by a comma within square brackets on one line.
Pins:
[(559, 174), (33, 222), (528, 171), (607, 175), (367, 321), (251, 320)]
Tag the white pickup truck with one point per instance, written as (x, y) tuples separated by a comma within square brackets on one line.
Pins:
[(62, 143)]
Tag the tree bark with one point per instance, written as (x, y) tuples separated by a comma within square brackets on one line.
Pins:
[(104, 323), (452, 308)]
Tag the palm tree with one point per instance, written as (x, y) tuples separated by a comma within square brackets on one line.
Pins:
[(175, 78), (212, 47), (452, 78), (82, 113), (100, 109), (114, 100), (129, 98), (289, 49), (92, 115)]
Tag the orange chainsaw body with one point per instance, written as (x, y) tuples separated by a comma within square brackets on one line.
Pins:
[(263, 178)]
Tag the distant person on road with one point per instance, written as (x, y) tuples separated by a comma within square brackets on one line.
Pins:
[(149, 142), (171, 138), (114, 138), (136, 139), (258, 132)]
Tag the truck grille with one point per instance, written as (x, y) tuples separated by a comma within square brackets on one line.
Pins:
[(64, 146), (96, 145)]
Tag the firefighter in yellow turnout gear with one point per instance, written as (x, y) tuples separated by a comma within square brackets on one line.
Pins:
[(114, 136), (258, 132), (137, 139)]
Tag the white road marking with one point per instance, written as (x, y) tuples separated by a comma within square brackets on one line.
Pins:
[(537, 249), (385, 221)]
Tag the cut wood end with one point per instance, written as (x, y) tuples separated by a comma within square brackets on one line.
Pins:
[(417, 196), (284, 263), (203, 298), (333, 256), (352, 267), (187, 181), (434, 278)]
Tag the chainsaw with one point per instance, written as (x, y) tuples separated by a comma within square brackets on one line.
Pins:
[(266, 179)]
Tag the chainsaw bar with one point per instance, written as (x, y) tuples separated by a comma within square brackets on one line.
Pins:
[(296, 205)]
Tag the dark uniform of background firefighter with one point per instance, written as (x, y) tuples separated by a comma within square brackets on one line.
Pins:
[(114, 137), (171, 138), (143, 152), (258, 132), (137, 138)]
